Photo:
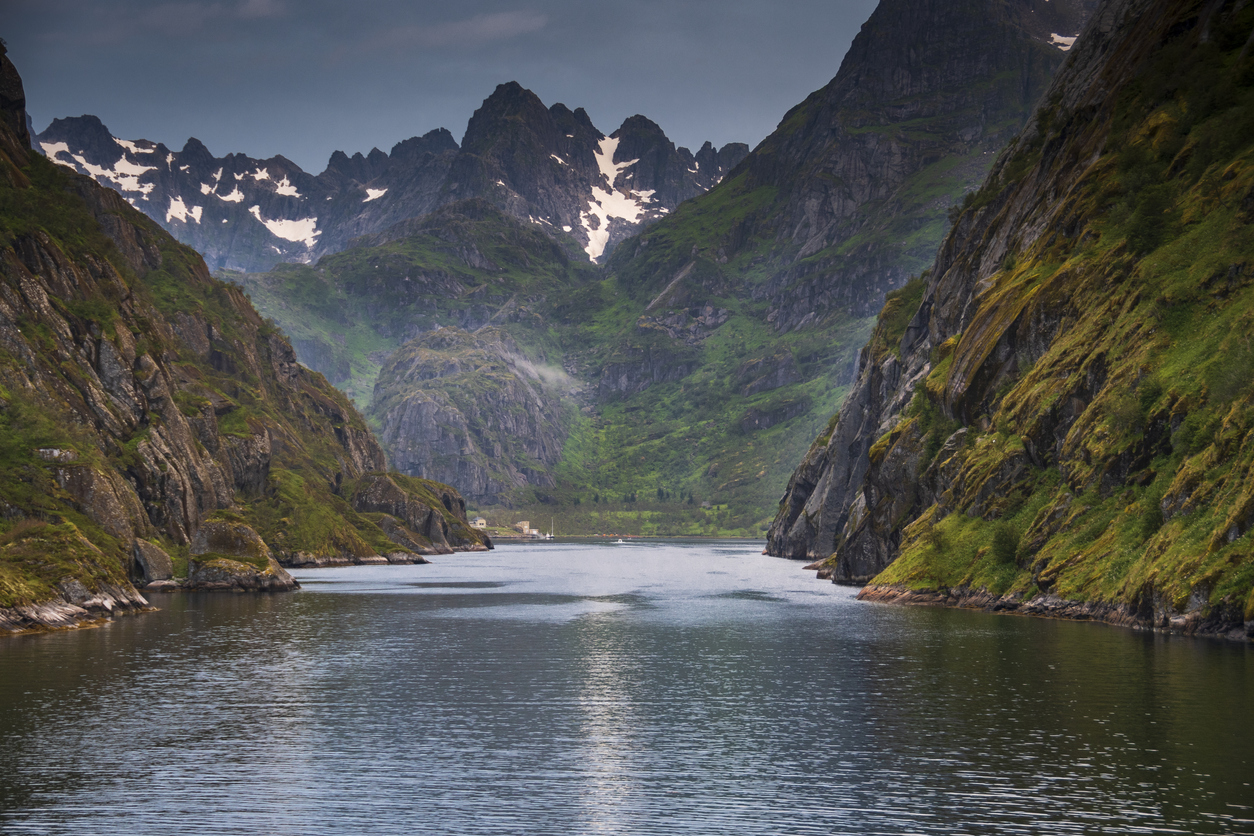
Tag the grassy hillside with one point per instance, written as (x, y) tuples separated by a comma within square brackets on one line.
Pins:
[(1103, 388), (140, 399)]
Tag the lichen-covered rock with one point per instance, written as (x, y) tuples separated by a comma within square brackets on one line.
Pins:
[(215, 572), (230, 555)]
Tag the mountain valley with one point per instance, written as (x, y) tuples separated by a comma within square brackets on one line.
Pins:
[(621, 337), (696, 365)]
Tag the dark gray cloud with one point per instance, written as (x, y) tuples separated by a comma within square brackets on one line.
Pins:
[(305, 77)]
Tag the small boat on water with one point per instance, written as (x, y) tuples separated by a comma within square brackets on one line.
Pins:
[(619, 540)]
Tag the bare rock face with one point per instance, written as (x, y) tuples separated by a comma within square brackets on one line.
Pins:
[(465, 408), (425, 516), (152, 563), (408, 519)]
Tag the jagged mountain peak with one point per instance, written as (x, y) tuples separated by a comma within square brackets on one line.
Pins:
[(433, 142), (548, 166), (510, 106), (194, 152)]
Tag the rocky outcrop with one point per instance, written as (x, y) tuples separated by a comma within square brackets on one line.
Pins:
[(635, 366), (73, 606), (422, 525), (147, 409), (227, 555), (470, 410), (544, 166), (152, 564), (1023, 440)]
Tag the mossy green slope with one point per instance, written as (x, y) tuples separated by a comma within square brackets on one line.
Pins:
[(1082, 425), (467, 264), (140, 398)]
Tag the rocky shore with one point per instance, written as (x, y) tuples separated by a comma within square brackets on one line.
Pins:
[(75, 606), (1150, 615)]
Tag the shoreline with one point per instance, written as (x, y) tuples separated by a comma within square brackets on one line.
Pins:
[(76, 608), (1160, 620)]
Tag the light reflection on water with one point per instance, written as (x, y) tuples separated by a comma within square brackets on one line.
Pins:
[(634, 689)]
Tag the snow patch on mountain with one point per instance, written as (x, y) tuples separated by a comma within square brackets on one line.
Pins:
[(605, 205), (52, 149), (234, 197), (124, 174), (304, 230), (285, 188), (1063, 42), (374, 194), (179, 211), (133, 147)]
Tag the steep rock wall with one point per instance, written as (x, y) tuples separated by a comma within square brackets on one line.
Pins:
[(1067, 386)]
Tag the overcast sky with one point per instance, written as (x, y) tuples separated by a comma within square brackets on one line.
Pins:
[(303, 78)]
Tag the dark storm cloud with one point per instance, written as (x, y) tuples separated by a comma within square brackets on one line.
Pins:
[(305, 77)]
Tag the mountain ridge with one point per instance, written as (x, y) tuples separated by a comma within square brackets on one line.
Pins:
[(702, 369), (249, 214)]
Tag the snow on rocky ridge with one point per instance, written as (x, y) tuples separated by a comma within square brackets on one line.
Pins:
[(626, 205), (266, 211)]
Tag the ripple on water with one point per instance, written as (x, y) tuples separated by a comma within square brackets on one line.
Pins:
[(570, 689)]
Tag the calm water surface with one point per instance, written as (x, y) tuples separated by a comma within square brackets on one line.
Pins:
[(619, 689)]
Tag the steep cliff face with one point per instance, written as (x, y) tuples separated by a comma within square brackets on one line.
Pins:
[(545, 166), (1064, 424), (152, 426), (848, 197), (554, 167), (470, 410)]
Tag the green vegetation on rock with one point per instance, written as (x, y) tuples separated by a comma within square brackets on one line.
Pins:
[(1087, 406), (142, 400)]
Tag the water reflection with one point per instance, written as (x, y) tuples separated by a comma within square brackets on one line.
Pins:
[(639, 689)]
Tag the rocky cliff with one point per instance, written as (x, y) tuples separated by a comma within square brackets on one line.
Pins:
[(1059, 417), (469, 409), (153, 427), (849, 196), (546, 166)]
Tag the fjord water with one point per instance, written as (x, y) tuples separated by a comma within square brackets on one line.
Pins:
[(636, 689)]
